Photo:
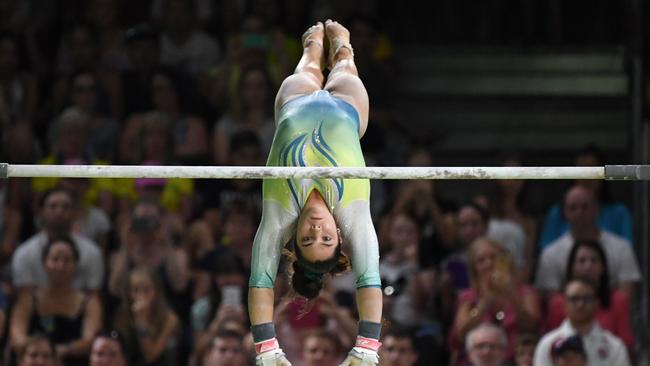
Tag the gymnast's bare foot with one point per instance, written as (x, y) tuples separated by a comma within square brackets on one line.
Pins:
[(312, 43), (339, 40)]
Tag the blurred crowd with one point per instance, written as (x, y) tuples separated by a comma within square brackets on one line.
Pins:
[(154, 271)]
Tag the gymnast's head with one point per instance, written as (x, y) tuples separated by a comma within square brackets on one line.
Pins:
[(316, 250)]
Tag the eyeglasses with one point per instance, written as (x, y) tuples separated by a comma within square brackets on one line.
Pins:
[(585, 299)]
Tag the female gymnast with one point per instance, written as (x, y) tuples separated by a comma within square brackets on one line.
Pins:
[(318, 123)]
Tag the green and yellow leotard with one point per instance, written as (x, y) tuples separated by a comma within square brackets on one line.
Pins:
[(316, 130)]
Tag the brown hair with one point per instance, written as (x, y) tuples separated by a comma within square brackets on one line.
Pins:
[(306, 278)]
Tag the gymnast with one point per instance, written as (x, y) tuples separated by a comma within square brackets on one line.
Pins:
[(318, 123)]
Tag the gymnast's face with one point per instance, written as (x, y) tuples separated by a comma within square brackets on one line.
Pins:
[(317, 235)]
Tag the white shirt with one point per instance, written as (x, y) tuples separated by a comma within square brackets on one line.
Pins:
[(27, 263), (601, 346), (621, 261), (512, 237)]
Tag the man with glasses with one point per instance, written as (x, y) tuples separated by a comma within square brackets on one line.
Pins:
[(601, 347), (486, 345)]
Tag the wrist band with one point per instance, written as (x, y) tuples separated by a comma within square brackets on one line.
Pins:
[(263, 332), (369, 329), (265, 346), (368, 343)]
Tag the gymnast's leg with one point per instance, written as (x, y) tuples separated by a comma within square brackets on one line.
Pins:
[(343, 81), (308, 76)]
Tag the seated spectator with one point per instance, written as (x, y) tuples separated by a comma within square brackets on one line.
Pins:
[(20, 87), (69, 317), (89, 220), (69, 137), (613, 216), (525, 349), (149, 326), (581, 211), (296, 318), (587, 259), (103, 130), (145, 243), (569, 352), (321, 348), (108, 349), (251, 110), (486, 345), (408, 291), (38, 351), (56, 219), (398, 349), (150, 142), (183, 45), (507, 204), (225, 349), (225, 299), (602, 347), (495, 296)]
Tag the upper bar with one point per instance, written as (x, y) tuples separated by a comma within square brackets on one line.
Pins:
[(628, 172)]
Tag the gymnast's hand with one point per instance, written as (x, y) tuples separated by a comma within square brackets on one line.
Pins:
[(269, 353), (361, 357)]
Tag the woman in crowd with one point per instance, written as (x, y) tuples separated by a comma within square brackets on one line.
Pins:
[(149, 326), (588, 259), (38, 351), (69, 317), (494, 296)]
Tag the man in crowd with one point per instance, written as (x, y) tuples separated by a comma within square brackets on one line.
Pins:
[(56, 219), (601, 347)]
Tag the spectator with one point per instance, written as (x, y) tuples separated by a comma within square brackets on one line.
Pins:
[(510, 217), (587, 259), (69, 317), (225, 299), (145, 243), (143, 51), (183, 45), (108, 349), (398, 349), (69, 142), (612, 216), (103, 131), (569, 352), (321, 348), (189, 136), (581, 211), (89, 221), (103, 15), (525, 349), (495, 296), (486, 345), (149, 326), (408, 290), (602, 347), (226, 349), (38, 351), (251, 110), (19, 87), (56, 218), (153, 138)]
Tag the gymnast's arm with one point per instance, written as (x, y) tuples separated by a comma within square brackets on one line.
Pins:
[(272, 233), (360, 241)]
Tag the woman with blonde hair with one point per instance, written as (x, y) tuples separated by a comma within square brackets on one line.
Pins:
[(494, 296)]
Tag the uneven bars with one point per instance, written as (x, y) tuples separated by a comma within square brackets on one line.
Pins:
[(612, 172)]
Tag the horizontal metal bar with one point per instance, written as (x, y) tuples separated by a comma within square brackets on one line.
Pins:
[(261, 172)]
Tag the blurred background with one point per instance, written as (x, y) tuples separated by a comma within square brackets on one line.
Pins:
[(192, 82)]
